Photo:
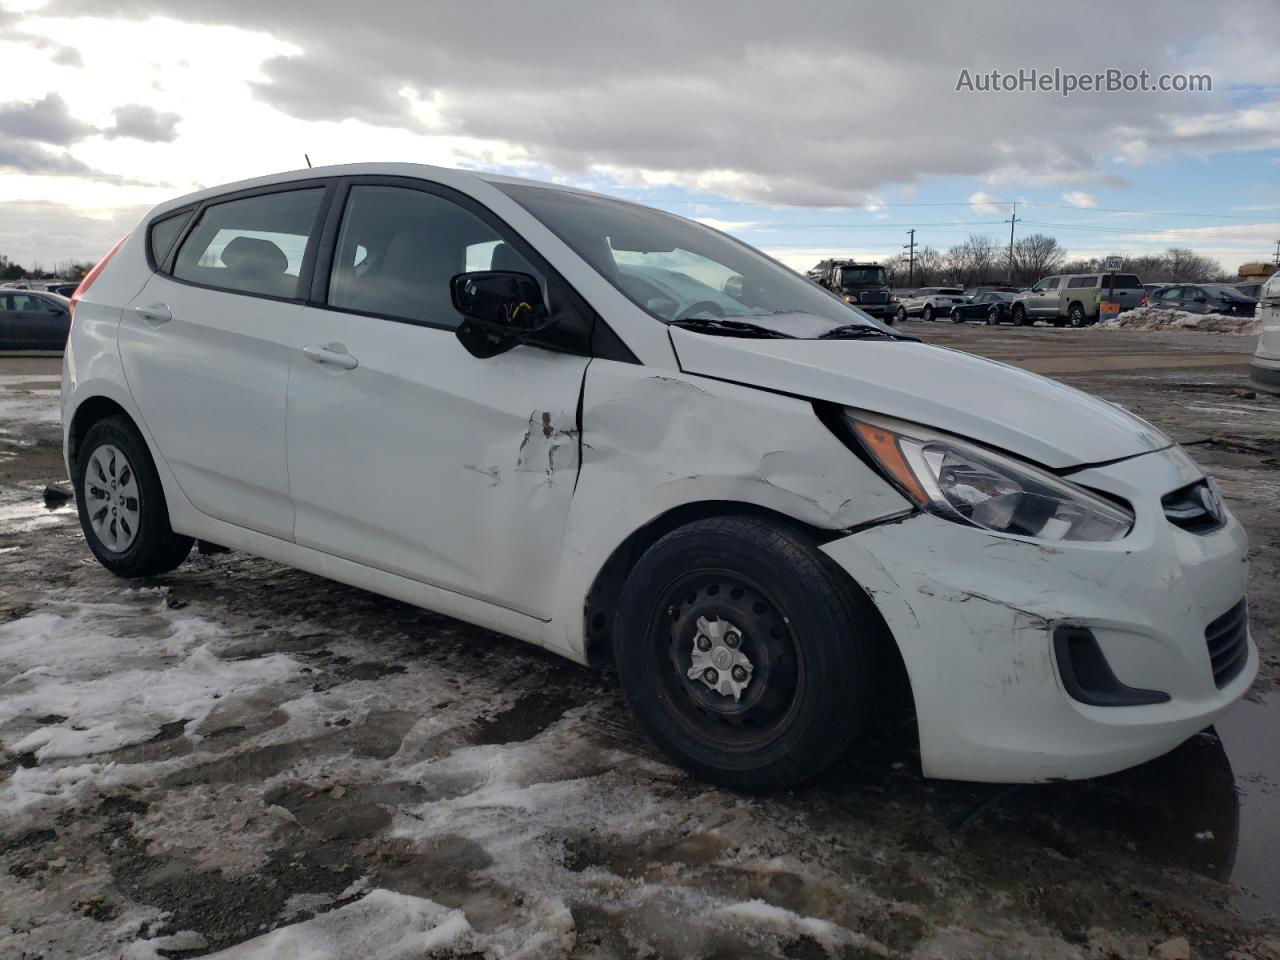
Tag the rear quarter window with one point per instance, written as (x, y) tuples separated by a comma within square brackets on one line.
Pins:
[(1124, 281), (163, 233), (1076, 283)]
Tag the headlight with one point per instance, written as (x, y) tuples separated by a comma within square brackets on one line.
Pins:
[(967, 484), (892, 298), (850, 298)]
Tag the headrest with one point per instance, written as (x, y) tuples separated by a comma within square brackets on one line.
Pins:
[(256, 254)]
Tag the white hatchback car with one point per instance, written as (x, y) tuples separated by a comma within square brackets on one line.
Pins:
[(608, 430)]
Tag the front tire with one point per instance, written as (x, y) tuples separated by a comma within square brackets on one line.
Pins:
[(121, 504), (745, 654), (1019, 315)]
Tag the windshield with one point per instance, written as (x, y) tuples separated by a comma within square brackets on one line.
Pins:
[(862, 276), (680, 271)]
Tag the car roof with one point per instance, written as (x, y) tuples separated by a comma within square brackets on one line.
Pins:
[(411, 170)]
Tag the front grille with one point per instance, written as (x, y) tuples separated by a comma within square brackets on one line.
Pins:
[(873, 296), (1228, 641), (1195, 508)]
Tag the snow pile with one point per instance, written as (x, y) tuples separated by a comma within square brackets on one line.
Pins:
[(1155, 318), (78, 679), (383, 924)]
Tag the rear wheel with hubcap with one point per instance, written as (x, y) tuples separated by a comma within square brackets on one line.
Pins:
[(993, 316), (1075, 316), (122, 508), (902, 314), (927, 313), (745, 653)]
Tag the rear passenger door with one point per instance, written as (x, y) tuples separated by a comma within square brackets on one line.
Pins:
[(406, 453), (206, 348)]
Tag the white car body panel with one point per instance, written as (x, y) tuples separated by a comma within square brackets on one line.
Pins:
[(498, 490), (1013, 410), (1264, 369), (456, 471)]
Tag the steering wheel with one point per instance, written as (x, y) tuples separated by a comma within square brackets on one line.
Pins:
[(702, 306)]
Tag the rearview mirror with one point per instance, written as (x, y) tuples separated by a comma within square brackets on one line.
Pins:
[(499, 308)]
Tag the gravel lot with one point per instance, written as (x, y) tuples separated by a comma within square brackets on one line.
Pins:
[(239, 757)]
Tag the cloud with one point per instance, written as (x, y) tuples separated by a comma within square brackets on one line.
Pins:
[(33, 232), (47, 120), (758, 104), (983, 202), (68, 57), (143, 123), (1078, 198), (18, 156)]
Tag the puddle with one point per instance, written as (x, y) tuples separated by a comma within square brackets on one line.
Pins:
[(1248, 736), (1211, 806)]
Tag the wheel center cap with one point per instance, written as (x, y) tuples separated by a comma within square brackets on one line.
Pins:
[(717, 662), (722, 657)]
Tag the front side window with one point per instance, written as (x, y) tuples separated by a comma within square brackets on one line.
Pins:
[(255, 245), (680, 271), (398, 249)]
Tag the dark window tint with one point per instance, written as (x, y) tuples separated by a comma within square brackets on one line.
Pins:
[(398, 249), (1124, 281), (1076, 283), (255, 245), (164, 232)]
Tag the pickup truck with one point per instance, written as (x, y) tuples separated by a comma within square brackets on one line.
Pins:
[(1074, 299)]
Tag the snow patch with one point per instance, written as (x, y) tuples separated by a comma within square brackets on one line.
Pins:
[(78, 679), (1155, 318)]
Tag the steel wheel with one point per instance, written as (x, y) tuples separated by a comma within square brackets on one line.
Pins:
[(112, 498), (728, 660)]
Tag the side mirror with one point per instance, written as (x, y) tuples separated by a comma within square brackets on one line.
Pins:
[(499, 310)]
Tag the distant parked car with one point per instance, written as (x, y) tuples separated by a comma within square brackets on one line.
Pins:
[(63, 288), (991, 307), (1075, 299), (1206, 298), (972, 292), (33, 320), (1264, 370), (929, 303)]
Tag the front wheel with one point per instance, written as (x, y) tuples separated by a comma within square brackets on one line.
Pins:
[(927, 314), (745, 654), (122, 508), (1019, 315)]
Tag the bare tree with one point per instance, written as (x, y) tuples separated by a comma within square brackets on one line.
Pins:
[(929, 267), (1187, 266), (972, 261), (1036, 255)]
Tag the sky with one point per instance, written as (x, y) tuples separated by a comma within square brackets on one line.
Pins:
[(809, 130)]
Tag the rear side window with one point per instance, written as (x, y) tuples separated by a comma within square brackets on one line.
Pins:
[(1124, 281), (163, 233), (398, 249), (1076, 283), (255, 245)]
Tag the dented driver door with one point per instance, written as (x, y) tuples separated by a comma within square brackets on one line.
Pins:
[(406, 453)]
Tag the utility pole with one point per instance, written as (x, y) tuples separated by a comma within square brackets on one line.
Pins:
[(1013, 218), (1277, 259), (911, 256)]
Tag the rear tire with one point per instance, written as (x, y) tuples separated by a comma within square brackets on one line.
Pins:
[(902, 315), (121, 504), (1075, 315), (993, 316), (806, 635), (927, 314)]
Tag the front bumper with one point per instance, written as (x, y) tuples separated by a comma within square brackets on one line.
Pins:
[(974, 615)]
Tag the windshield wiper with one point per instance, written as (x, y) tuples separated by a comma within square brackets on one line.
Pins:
[(860, 331), (730, 328)]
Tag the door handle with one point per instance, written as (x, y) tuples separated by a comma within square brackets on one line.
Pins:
[(155, 314), (331, 354)]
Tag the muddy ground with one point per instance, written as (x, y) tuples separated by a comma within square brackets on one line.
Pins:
[(241, 754)]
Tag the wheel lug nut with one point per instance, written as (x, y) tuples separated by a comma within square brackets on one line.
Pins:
[(704, 643), (740, 673), (731, 639), (711, 676)]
